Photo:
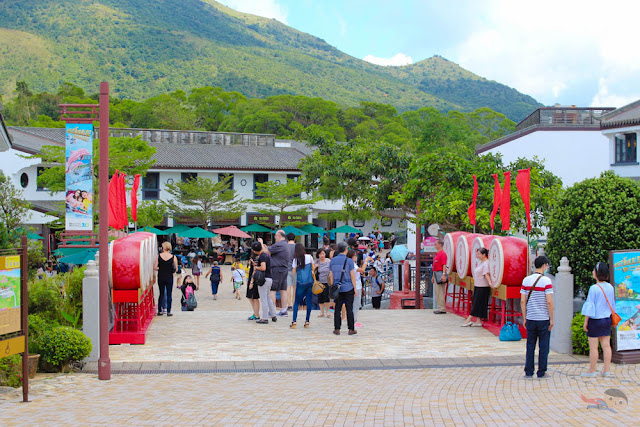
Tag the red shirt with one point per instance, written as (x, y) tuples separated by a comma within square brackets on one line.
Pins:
[(439, 261)]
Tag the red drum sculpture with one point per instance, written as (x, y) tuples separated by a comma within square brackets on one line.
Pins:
[(508, 260), (464, 255), (450, 244), (482, 241)]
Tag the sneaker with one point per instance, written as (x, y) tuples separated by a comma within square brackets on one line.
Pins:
[(589, 374), (169, 314), (608, 374), (283, 313), (253, 317), (262, 321), (160, 313), (464, 325), (274, 319), (289, 308)]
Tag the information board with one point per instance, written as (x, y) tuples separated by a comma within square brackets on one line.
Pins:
[(626, 281), (10, 291)]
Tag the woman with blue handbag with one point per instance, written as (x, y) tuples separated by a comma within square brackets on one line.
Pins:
[(481, 290)]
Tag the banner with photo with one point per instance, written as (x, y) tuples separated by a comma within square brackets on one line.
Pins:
[(79, 177), (626, 281)]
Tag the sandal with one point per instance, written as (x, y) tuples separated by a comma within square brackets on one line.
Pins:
[(306, 325), (293, 325), (321, 315)]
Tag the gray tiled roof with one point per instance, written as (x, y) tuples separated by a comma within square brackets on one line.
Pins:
[(627, 115), (48, 206), (5, 140), (32, 140), (237, 157)]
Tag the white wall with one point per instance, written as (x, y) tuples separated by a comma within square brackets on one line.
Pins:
[(571, 155)]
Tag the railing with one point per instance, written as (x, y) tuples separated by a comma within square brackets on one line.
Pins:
[(386, 275), (564, 116), (196, 137)]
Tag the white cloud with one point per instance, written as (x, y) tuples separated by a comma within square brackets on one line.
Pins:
[(266, 8), (554, 50), (605, 99), (396, 60)]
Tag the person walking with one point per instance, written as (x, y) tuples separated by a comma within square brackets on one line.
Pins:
[(597, 320), (253, 296), (322, 273), (216, 277), (280, 261), (166, 264), (291, 277), (262, 262), (536, 303), (440, 279), (196, 270), (238, 279), (303, 269), (481, 290), (377, 288), (344, 275), (360, 270)]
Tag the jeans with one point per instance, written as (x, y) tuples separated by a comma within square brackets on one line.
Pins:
[(164, 300), (214, 288), (268, 307), (345, 298), (537, 330), (303, 291)]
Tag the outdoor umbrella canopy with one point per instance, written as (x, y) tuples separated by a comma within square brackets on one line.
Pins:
[(153, 230), (312, 229), (79, 257), (197, 233), (34, 236), (232, 231), (399, 252), (256, 228), (364, 238), (177, 229), (291, 229), (345, 229), (68, 251)]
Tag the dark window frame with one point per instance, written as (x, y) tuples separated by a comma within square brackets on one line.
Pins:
[(255, 182), (626, 150), (151, 193), (39, 170), (222, 176)]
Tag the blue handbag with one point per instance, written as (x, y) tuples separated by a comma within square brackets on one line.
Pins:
[(510, 332)]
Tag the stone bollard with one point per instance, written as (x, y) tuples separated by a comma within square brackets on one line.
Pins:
[(562, 309), (91, 309)]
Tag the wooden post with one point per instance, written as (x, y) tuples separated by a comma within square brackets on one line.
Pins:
[(24, 311), (104, 363)]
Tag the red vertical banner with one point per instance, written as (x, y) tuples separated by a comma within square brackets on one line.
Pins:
[(472, 209), (114, 220), (122, 205), (497, 198), (134, 197), (523, 182), (505, 204)]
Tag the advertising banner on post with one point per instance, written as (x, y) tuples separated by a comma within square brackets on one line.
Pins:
[(626, 281), (79, 177), (10, 291)]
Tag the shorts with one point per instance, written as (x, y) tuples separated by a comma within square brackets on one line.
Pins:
[(599, 327), (279, 275), (323, 297), (196, 274), (236, 285), (291, 279)]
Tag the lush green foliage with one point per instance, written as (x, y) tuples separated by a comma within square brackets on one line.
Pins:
[(284, 198), (13, 208), (592, 218), (45, 298), (147, 49), (11, 371), (38, 325), (62, 345), (579, 336), (150, 213)]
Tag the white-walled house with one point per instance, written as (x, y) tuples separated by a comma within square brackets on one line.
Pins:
[(5, 140), (621, 127), (568, 139)]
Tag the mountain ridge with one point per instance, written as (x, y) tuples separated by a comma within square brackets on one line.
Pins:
[(148, 48)]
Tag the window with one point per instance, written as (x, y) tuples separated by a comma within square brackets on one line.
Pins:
[(386, 221), (258, 178), (294, 178), (151, 186), (24, 180), (39, 187), (358, 223), (188, 176), (626, 148), (223, 176)]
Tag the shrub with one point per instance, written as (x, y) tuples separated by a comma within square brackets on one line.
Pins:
[(590, 219), (63, 345), (11, 371), (579, 336), (45, 298), (38, 326)]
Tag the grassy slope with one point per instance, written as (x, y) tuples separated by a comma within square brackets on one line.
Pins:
[(149, 47)]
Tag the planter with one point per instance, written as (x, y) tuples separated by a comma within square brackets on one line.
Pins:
[(33, 364)]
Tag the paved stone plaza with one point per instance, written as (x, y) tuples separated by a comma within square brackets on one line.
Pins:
[(408, 367)]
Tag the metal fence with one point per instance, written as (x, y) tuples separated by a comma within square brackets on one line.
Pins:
[(392, 276)]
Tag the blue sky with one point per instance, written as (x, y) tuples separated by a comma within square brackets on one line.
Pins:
[(568, 52)]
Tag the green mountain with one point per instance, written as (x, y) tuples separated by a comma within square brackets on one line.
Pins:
[(148, 47)]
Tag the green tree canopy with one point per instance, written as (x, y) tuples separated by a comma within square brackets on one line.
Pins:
[(284, 198), (13, 208), (151, 213)]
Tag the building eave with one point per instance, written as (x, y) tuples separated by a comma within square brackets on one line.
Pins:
[(538, 128)]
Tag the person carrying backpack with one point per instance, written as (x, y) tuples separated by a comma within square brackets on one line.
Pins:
[(188, 289), (216, 277), (303, 268), (238, 280)]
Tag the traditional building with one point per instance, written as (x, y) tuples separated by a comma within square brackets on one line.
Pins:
[(5, 140), (621, 127)]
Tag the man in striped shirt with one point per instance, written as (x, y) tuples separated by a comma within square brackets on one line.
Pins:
[(536, 302)]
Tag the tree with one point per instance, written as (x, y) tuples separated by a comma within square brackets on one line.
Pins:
[(201, 199), (284, 198), (151, 213), (14, 210), (592, 218)]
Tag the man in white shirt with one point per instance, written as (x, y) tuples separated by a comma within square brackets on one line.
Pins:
[(536, 302)]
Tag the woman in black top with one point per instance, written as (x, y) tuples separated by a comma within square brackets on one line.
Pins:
[(165, 265)]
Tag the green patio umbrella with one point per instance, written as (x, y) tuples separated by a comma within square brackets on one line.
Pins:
[(177, 229), (79, 257), (67, 251), (256, 228), (312, 229), (154, 231), (34, 236), (197, 233), (345, 229), (291, 229)]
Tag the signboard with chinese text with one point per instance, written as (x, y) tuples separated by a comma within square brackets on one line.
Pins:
[(79, 177)]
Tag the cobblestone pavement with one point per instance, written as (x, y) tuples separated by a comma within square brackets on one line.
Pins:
[(450, 396)]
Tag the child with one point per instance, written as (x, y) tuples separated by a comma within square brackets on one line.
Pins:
[(238, 278), (187, 288), (216, 277)]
